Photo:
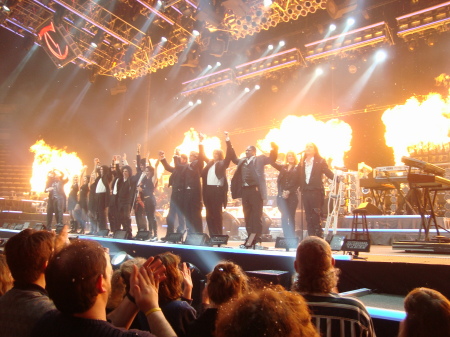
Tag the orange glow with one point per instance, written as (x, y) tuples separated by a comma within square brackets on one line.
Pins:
[(191, 140), (47, 158), (417, 124), (332, 137)]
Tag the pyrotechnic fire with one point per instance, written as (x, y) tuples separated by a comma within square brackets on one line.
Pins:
[(191, 140), (332, 137), (47, 158), (417, 124)]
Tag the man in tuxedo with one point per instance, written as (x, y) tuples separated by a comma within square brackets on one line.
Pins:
[(249, 183), (215, 185)]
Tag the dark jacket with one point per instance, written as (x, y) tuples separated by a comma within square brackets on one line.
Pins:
[(287, 180), (220, 170), (320, 167), (260, 162), (176, 179)]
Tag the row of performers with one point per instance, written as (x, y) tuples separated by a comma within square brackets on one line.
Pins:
[(193, 179)]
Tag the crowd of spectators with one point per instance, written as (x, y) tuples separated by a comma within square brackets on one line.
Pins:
[(50, 287)]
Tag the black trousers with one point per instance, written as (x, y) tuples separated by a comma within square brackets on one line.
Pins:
[(102, 210), (150, 207), (55, 206), (213, 200), (124, 212), (175, 211), (192, 209), (252, 205), (312, 203), (113, 215), (139, 212), (287, 209)]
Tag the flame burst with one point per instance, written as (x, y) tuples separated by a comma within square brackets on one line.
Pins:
[(416, 124), (332, 137), (191, 140), (47, 158)]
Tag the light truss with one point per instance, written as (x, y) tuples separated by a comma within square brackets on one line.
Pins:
[(424, 21)]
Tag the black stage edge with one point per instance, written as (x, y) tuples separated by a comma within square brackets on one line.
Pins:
[(422, 246), (396, 278)]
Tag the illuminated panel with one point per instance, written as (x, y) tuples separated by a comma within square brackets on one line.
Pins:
[(352, 40), (268, 63), (424, 20), (208, 81), (57, 43)]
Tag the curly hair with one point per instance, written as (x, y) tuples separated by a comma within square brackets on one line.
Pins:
[(266, 313), (225, 282), (316, 273), (6, 280), (171, 288), (427, 314)]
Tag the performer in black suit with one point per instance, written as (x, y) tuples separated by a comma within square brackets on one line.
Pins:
[(147, 189), (113, 215), (138, 202), (176, 198), (102, 193), (288, 182), (56, 197), (249, 183), (312, 168), (125, 198), (192, 200), (215, 186)]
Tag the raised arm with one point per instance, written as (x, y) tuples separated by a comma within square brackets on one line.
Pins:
[(164, 162), (230, 150)]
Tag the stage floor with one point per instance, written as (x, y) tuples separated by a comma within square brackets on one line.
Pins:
[(377, 253)]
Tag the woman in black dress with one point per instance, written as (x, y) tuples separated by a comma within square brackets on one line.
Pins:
[(72, 201), (288, 182), (82, 206)]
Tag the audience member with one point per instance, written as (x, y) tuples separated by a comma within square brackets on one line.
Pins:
[(225, 282), (427, 314), (79, 282), (332, 314), (267, 312), (27, 255), (175, 293), (6, 280)]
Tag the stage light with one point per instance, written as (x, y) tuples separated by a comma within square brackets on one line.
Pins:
[(332, 27), (199, 101), (267, 3), (208, 66), (350, 22), (218, 64), (196, 32), (319, 71), (257, 87), (6, 8), (380, 56), (93, 44), (163, 39), (191, 103), (270, 46), (246, 90), (282, 43)]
